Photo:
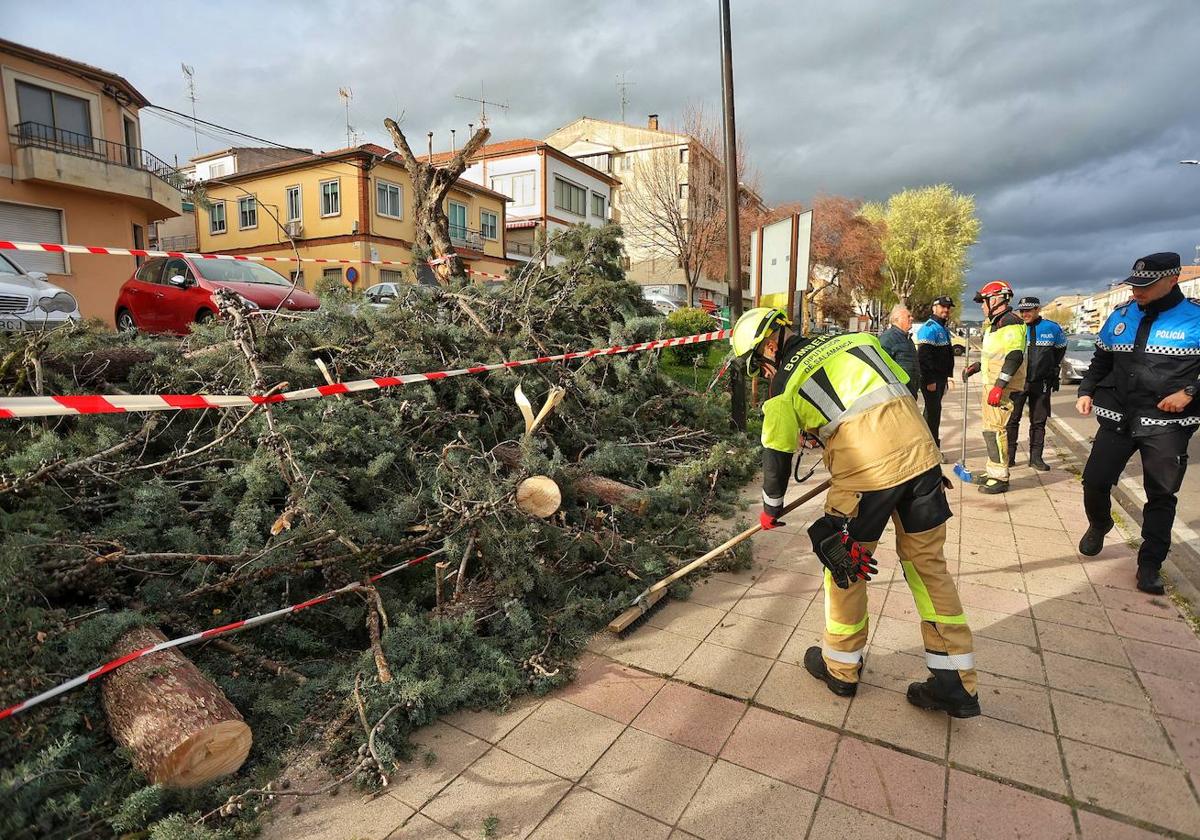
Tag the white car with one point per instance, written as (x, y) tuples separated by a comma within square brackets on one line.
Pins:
[(664, 305), (28, 302)]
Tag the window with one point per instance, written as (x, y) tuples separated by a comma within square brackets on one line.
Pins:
[(683, 155), (151, 272), (570, 197), (389, 200), (331, 197), (330, 275), (216, 217), (626, 163), (598, 206), (488, 224), (294, 206), (390, 275), (683, 191), (217, 170), (177, 268), (247, 213), (296, 278), (458, 220), (54, 116), (518, 187)]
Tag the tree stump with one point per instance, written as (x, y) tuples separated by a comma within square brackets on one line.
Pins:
[(179, 726), (539, 495), (607, 490)]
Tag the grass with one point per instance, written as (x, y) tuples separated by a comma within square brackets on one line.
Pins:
[(696, 375)]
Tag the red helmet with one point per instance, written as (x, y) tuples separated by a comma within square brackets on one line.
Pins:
[(994, 288)]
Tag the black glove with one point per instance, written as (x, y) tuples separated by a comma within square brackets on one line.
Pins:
[(846, 559), (1055, 384), (970, 370)]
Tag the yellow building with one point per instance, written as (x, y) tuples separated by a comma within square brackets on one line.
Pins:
[(72, 170), (351, 204)]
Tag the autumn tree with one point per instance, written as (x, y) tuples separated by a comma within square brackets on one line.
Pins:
[(928, 232), (431, 184)]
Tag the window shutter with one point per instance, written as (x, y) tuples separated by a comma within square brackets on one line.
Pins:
[(21, 223)]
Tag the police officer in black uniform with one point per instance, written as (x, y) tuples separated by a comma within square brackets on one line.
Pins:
[(1047, 344), (1142, 386), (935, 359)]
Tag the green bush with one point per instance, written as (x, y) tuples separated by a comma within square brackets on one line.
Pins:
[(689, 321)]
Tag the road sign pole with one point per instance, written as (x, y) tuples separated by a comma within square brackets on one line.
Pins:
[(734, 268)]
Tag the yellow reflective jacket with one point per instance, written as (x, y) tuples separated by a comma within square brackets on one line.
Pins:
[(1003, 358)]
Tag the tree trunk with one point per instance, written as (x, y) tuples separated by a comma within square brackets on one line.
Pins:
[(585, 484), (179, 726)]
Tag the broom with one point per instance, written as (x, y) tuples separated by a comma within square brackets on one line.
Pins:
[(960, 469)]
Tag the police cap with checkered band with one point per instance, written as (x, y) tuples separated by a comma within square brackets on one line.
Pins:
[(1152, 268)]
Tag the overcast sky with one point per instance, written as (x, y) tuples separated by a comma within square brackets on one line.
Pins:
[(1065, 119)]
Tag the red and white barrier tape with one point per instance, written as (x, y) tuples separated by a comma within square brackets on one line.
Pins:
[(205, 635), (104, 250), (11, 407)]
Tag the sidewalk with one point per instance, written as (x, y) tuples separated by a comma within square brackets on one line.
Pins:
[(703, 723)]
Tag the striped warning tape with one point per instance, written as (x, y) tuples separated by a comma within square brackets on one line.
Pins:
[(265, 618), (12, 407)]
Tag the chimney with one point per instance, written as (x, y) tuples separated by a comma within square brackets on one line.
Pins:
[(653, 122)]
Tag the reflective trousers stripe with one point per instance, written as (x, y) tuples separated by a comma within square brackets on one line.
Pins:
[(950, 661), (846, 657), (924, 603), (836, 628), (773, 501)]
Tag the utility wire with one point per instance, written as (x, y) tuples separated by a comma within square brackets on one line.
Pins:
[(232, 130)]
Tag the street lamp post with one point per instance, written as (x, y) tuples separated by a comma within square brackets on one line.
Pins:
[(733, 244)]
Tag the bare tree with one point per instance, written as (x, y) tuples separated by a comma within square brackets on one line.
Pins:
[(431, 184)]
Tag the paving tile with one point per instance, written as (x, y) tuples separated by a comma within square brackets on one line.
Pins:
[(1009, 751), (887, 716), (1138, 602), (801, 639), (1096, 827), (1111, 726), (613, 690), (724, 670), (1176, 663), (491, 726), (1185, 736), (784, 582), (888, 783), (996, 600), (500, 785), (893, 670), (980, 809), (562, 738), (1173, 631), (753, 635), (1007, 628), (1015, 701), (789, 750), (793, 690), (717, 593), (1008, 577), (734, 803), (418, 827), (654, 650), (649, 774), (835, 821), (691, 717), (1070, 613), (897, 635), (1132, 786), (685, 618), (1042, 585), (1008, 660), (771, 606), (1084, 644), (340, 817), (586, 814), (440, 753), (1173, 698), (600, 642), (1103, 682)]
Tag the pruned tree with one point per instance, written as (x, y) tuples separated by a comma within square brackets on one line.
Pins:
[(431, 185), (928, 232)]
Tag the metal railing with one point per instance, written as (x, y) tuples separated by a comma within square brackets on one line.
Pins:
[(466, 237), (86, 146), (182, 242), (521, 249)]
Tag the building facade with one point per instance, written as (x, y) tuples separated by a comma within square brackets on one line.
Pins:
[(73, 170), (351, 204)]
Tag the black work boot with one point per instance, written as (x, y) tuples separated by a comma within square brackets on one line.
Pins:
[(1035, 461), (1093, 540), (993, 486), (814, 663), (1150, 581), (1012, 459), (933, 696)]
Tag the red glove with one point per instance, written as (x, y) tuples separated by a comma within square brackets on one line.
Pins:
[(995, 395), (766, 521)]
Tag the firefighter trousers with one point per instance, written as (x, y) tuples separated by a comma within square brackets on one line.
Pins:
[(949, 651), (995, 434)]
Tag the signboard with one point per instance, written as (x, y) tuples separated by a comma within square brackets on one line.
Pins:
[(352, 275), (779, 261)]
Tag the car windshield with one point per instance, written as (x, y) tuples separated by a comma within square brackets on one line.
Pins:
[(7, 266), (229, 271), (1081, 343)]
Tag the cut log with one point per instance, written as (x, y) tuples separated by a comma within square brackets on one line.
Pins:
[(607, 490), (180, 728), (538, 495)]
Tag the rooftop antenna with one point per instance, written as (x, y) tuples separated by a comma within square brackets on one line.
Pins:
[(452, 147), (623, 90), (430, 138), (483, 103), (347, 94), (189, 74)]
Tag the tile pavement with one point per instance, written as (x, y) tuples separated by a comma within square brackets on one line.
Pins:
[(702, 724)]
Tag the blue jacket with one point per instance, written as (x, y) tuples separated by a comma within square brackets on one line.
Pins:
[(900, 347), (1143, 355), (1047, 345), (935, 353)]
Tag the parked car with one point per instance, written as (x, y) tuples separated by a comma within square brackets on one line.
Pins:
[(664, 305), (381, 295), (29, 302), (1080, 347), (168, 295), (958, 344)]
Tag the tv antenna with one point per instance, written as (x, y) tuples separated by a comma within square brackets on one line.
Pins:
[(189, 75), (347, 94), (483, 103), (623, 90)]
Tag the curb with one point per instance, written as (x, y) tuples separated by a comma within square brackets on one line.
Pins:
[(1183, 562)]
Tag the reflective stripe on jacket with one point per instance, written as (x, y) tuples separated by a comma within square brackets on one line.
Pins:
[(1003, 355)]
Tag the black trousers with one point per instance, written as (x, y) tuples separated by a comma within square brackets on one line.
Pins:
[(933, 408), (1164, 462), (1037, 397)]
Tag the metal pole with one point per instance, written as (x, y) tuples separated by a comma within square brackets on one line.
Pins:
[(737, 378)]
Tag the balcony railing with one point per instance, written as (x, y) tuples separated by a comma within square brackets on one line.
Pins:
[(181, 242), (85, 146), (521, 249), (466, 237)]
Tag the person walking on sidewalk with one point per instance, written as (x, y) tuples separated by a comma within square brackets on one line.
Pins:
[(848, 394), (1003, 365), (1141, 385), (896, 341), (1047, 344), (935, 361)]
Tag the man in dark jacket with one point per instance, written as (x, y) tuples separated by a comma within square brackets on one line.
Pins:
[(1142, 386), (935, 359), (1047, 344), (899, 346)]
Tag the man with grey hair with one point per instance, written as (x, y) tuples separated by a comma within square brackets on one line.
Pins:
[(898, 344)]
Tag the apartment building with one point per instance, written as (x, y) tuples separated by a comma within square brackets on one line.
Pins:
[(1092, 311), (351, 204), (73, 170)]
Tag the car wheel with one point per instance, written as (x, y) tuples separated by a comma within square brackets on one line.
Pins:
[(204, 316), (125, 322), (958, 351)]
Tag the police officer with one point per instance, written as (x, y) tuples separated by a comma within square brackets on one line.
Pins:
[(849, 394), (1047, 344), (1142, 386), (935, 360), (1003, 365)]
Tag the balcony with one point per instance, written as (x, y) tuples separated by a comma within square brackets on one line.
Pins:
[(461, 237), (520, 250), (69, 159)]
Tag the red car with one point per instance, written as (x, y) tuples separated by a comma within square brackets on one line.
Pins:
[(170, 294)]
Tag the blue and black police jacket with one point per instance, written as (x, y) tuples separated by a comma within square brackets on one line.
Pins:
[(1046, 347)]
